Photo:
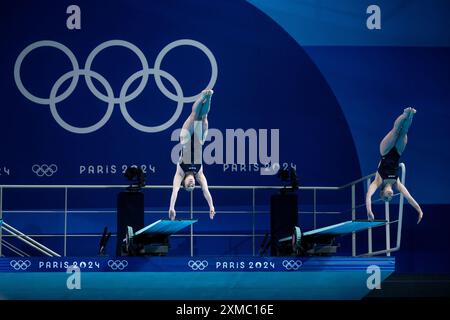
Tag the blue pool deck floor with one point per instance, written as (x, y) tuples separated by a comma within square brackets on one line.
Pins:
[(192, 278)]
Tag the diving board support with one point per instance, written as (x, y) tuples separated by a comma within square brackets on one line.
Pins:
[(388, 229), (400, 209)]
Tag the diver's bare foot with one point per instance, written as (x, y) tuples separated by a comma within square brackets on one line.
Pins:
[(370, 216), (212, 213), (207, 92), (410, 110)]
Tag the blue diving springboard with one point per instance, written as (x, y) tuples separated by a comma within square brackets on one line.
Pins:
[(165, 226), (339, 229), (345, 227), (154, 238)]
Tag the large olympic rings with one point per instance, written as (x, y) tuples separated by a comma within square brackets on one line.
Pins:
[(124, 97)]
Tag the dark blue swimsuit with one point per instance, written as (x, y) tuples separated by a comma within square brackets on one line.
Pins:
[(388, 168)]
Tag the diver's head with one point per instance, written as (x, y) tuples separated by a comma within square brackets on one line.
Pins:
[(386, 192), (189, 182)]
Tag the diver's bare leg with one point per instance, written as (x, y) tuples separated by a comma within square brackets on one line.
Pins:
[(398, 135), (199, 112)]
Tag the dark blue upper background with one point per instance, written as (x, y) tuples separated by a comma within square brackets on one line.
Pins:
[(265, 81)]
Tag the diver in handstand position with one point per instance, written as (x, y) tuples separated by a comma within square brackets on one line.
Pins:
[(391, 148), (189, 167)]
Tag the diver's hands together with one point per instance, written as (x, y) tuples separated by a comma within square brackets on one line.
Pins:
[(172, 214)]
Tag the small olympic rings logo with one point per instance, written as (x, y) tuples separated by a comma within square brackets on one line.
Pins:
[(197, 264), (292, 264), (124, 97), (44, 169), (117, 264), (20, 264)]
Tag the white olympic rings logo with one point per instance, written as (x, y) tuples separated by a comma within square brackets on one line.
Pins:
[(44, 170), (197, 264), (292, 264), (118, 264), (109, 98), (20, 264)]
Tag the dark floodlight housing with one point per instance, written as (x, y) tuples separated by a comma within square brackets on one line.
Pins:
[(289, 179), (137, 178)]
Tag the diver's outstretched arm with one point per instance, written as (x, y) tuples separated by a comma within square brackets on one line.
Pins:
[(177, 179), (204, 184), (410, 199), (376, 183)]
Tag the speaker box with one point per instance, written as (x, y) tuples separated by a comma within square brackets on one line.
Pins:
[(283, 219), (130, 212)]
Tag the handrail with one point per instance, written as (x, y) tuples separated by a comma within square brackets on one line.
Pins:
[(90, 186), (13, 248), (357, 181), (31, 242), (114, 186), (399, 222)]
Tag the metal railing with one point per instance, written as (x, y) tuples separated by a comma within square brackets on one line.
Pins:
[(191, 211), (399, 222), (27, 240)]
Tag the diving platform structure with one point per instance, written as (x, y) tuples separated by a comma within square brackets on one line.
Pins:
[(310, 272)]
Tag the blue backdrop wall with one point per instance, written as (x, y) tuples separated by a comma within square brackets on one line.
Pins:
[(312, 70)]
